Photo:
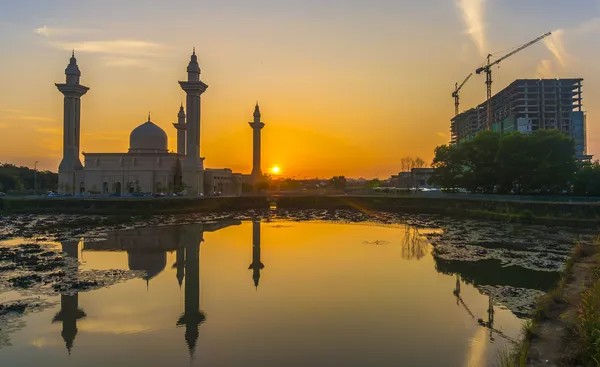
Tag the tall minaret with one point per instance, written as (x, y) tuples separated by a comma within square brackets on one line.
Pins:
[(192, 167), (256, 126), (70, 170), (181, 127)]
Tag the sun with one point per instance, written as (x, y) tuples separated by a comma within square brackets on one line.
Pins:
[(275, 170)]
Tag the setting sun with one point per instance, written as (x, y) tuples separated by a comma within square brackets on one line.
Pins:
[(275, 170)]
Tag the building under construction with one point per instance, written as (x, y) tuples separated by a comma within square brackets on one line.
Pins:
[(528, 105)]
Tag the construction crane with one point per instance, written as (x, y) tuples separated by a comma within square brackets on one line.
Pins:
[(488, 74), (457, 89)]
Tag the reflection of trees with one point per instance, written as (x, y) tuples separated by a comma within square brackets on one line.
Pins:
[(492, 272), (414, 244)]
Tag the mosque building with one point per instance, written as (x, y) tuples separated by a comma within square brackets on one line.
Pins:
[(148, 166)]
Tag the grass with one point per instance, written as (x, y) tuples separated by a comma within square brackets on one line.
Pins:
[(587, 328)]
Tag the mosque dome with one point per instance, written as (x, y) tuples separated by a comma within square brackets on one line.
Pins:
[(148, 138)]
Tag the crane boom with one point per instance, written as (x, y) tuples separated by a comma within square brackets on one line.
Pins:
[(457, 89), (487, 68)]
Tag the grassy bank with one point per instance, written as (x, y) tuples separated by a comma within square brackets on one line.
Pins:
[(548, 213), (565, 327), (130, 206)]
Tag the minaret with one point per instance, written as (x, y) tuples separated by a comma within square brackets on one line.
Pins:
[(69, 304), (181, 127), (256, 126), (193, 165), (70, 170), (256, 265)]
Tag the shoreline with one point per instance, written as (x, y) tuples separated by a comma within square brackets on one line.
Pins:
[(573, 214)]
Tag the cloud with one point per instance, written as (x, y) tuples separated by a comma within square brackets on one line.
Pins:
[(121, 61), (109, 135), (445, 136), (56, 31), (48, 130), (545, 69), (555, 44), (473, 17), (35, 118), (10, 110), (115, 47)]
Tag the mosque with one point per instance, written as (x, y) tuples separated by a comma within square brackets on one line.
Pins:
[(148, 166)]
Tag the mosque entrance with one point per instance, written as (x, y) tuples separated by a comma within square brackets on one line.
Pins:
[(117, 189)]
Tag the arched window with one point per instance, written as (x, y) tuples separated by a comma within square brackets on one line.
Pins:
[(131, 188), (81, 187), (105, 188)]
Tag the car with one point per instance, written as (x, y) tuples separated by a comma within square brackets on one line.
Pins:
[(51, 194), (159, 195), (2, 194)]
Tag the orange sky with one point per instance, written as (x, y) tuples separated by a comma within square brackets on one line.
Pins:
[(345, 88)]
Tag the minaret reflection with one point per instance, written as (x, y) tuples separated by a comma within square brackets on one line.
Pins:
[(69, 304), (256, 265), (192, 316)]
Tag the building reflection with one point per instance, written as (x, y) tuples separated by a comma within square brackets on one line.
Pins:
[(147, 251), (192, 316), (256, 264), (69, 303)]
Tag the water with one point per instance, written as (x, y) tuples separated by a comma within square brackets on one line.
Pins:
[(283, 293)]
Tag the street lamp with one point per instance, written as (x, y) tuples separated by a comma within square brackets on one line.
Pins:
[(35, 178)]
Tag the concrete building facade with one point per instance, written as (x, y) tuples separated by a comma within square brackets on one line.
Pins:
[(529, 105)]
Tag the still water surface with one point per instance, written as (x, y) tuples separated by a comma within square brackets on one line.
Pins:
[(268, 294)]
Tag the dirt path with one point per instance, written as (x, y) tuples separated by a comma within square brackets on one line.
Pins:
[(550, 343)]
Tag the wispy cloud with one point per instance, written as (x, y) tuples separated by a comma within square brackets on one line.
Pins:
[(58, 31), (115, 47), (16, 114), (34, 118), (47, 130), (123, 61), (109, 135), (544, 69), (555, 44), (445, 136), (473, 15)]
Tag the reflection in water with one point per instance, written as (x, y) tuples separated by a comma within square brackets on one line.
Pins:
[(256, 265), (192, 316), (491, 272), (147, 251), (276, 328), (69, 304), (414, 245)]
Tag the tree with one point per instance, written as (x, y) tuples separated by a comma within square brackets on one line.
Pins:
[(448, 169), (542, 162), (408, 163), (372, 183), (8, 182), (587, 180), (338, 182)]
